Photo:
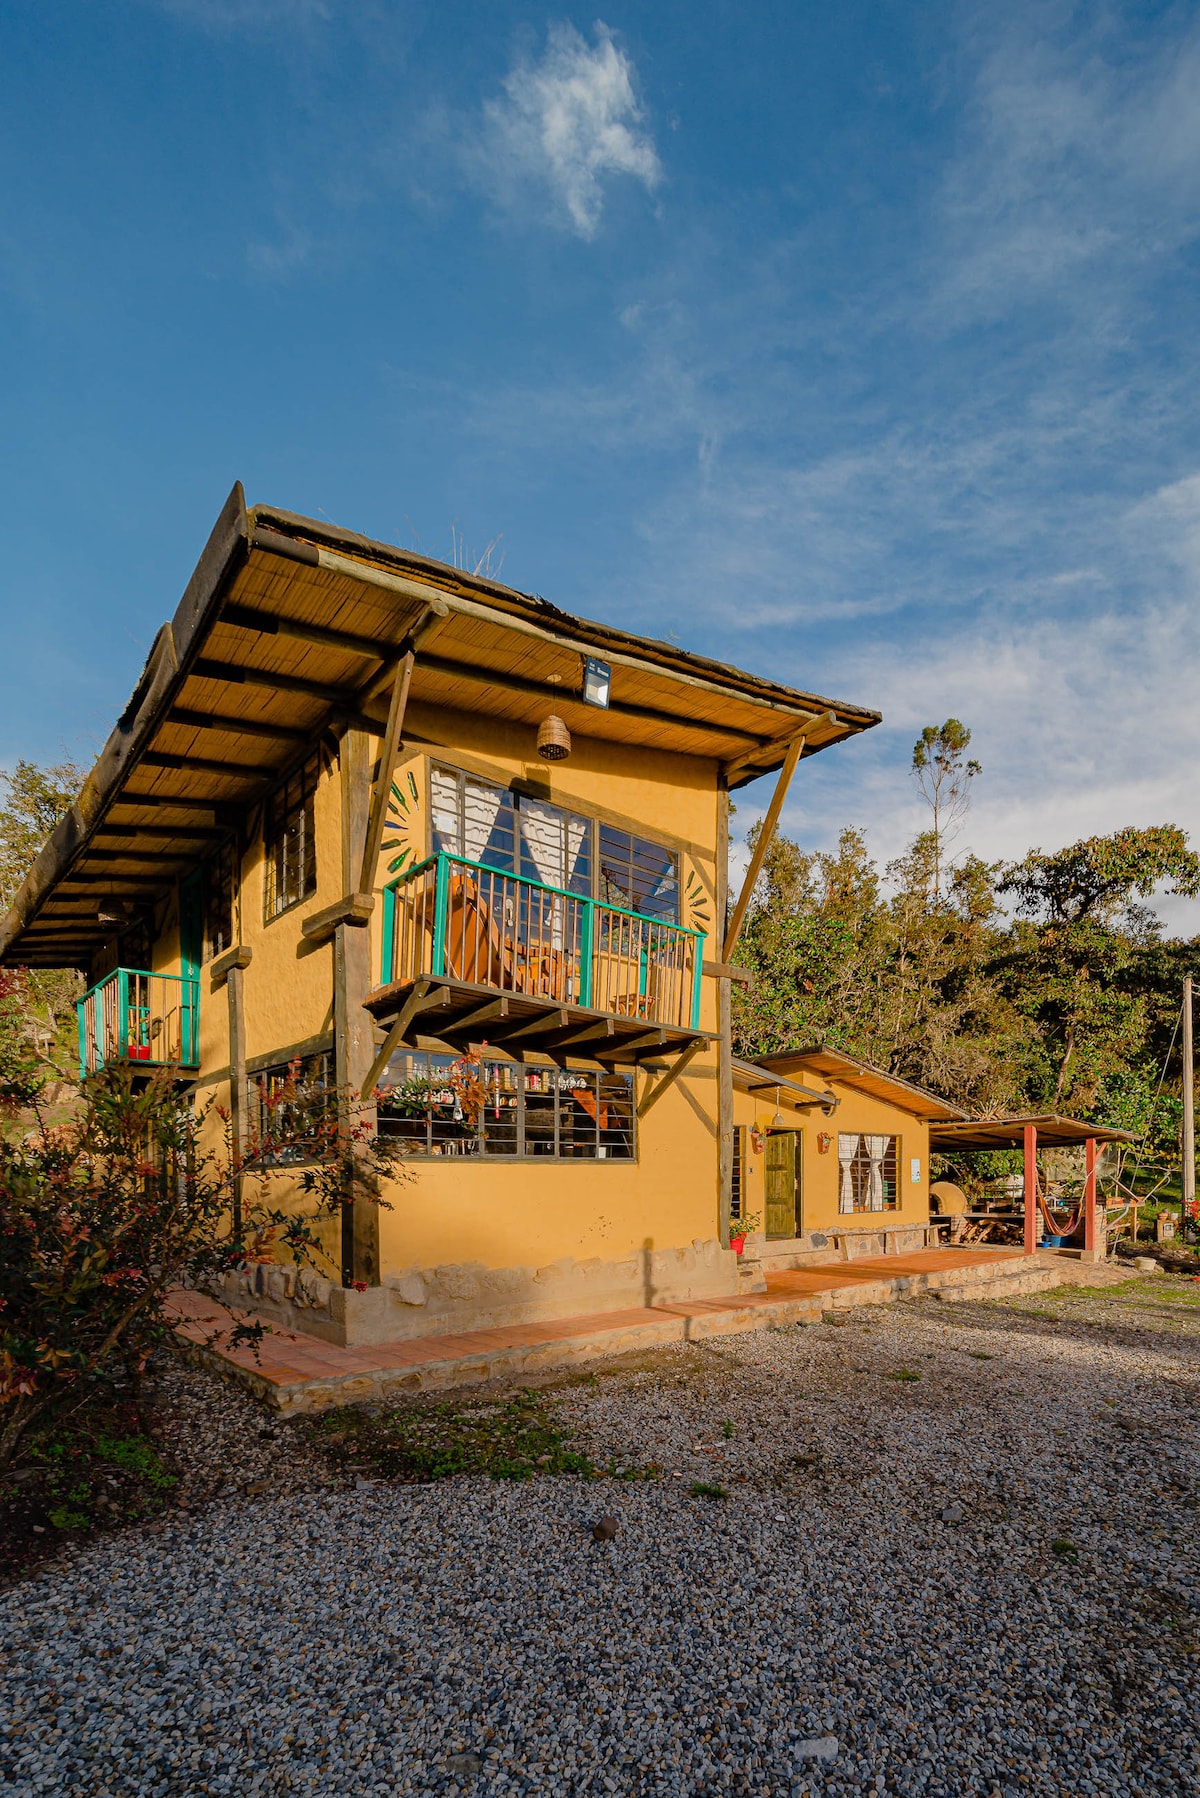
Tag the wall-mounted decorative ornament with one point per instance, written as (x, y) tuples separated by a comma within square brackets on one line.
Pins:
[(698, 903), (758, 1141), (400, 827), (553, 739), (824, 1142)]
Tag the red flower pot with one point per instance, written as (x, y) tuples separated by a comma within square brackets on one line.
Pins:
[(737, 1244)]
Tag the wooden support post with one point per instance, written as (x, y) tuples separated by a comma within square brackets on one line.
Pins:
[(1031, 1202), (766, 836), (1188, 1184), (1091, 1232), (353, 1037), (387, 761), (239, 1120), (724, 1030)]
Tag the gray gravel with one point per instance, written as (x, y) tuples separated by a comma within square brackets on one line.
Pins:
[(473, 1638)]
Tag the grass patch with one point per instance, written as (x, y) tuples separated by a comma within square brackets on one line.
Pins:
[(97, 1470), (727, 1430), (420, 1443), (903, 1373), (980, 1355), (1066, 1551), (707, 1489)]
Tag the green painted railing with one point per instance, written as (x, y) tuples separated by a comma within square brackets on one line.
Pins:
[(135, 1016), (451, 918)]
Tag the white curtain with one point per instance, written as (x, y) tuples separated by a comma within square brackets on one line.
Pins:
[(542, 831), (847, 1150), (481, 808), (444, 795), (876, 1147)]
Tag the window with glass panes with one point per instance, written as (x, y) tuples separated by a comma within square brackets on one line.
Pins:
[(868, 1171), (441, 1106), (291, 1107), (220, 899), (291, 851), (518, 834)]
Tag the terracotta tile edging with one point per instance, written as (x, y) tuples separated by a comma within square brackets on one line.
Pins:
[(310, 1374)]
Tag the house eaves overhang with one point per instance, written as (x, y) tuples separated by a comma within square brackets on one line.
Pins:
[(290, 628), (861, 1076)]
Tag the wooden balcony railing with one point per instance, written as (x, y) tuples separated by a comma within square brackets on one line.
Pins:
[(130, 1015), (449, 918)]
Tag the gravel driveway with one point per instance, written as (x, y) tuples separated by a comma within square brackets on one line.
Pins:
[(881, 1586)]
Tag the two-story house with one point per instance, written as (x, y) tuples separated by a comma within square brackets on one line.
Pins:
[(448, 847)]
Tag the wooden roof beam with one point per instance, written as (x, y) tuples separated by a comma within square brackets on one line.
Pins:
[(545, 690), (198, 764), (166, 833), (278, 624), (243, 727)]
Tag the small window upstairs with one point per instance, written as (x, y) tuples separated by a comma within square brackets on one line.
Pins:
[(291, 850)]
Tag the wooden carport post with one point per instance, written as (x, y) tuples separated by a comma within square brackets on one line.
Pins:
[(1090, 1227), (1031, 1217)]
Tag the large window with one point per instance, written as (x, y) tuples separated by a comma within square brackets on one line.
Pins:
[(442, 1106), (293, 1109), (868, 1172), (521, 835), (291, 850)]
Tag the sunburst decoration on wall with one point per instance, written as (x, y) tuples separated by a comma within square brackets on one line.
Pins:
[(401, 828), (698, 903)]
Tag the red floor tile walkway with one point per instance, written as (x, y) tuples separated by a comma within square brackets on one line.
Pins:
[(287, 1361)]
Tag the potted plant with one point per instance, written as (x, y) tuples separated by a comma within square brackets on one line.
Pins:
[(740, 1228)]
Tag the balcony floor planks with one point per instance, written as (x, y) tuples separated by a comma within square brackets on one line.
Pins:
[(629, 1041)]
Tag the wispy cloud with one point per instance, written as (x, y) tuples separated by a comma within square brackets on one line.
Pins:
[(566, 125)]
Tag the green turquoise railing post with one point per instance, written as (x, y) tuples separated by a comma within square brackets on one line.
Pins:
[(192, 1015), (387, 966), (81, 1031), (587, 932), (441, 892), (122, 1013), (698, 942)]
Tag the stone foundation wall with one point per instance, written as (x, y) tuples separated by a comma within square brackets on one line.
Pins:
[(458, 1296), (817, 1248)]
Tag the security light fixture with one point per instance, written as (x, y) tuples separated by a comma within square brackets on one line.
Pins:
[(778, 1122), (597, 677)]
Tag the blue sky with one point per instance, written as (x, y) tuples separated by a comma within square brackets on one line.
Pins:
[(858, 345)]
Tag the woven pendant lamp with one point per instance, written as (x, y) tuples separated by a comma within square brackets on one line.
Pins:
[(554, 739)]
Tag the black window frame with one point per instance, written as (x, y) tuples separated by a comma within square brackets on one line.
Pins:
[(609, 846), (316, 1075), (292, 801), (441, 1127)]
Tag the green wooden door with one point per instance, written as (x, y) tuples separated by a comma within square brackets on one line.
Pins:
[(782, 1171)]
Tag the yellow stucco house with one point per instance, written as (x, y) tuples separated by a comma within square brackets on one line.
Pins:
[(462, 853), (830, 1159)]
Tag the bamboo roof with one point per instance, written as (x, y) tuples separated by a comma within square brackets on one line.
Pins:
[(847, 1070), (290, 627), (1053, 1132)]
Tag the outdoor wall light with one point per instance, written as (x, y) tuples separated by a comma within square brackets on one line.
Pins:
[(597, 677), (554, 739), (778, 1122)]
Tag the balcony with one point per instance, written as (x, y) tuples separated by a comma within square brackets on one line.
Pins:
[(149, 1020), (472, 954)]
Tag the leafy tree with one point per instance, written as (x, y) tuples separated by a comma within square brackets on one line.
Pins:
[(32, 800), (943, 779)]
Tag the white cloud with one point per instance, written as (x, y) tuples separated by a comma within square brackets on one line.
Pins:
[(565, 126)]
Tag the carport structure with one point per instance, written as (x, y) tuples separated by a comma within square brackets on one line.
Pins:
[(977, 1135)]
